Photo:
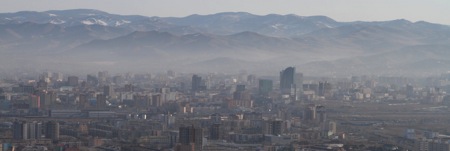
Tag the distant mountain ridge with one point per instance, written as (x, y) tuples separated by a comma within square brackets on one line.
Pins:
[(221, 23), (316, 44), (67, 18), (192, 43), (272, 24)]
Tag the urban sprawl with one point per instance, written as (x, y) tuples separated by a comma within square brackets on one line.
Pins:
[(223, 112)]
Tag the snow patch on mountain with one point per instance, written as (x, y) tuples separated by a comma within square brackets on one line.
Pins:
[(328, 26), (324, 24), (278, 26), (92, 21), (101, 22), (57, 21), (122, 22), (87, 22)]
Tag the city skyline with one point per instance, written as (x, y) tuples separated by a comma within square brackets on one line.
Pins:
[(130, 112), (94, 75)]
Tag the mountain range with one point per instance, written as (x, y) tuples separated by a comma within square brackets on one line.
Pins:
[(85, 40)]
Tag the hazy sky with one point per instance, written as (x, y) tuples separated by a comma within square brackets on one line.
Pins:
[(437, 11)]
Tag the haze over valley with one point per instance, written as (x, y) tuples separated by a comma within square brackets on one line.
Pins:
[(227, 75), (85, 40)]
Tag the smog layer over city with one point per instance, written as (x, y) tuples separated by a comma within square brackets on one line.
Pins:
[(224, 75)]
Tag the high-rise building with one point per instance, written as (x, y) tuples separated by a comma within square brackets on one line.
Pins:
[(214, 132), (34, 130), (101, 101), (72, 81), (51, 98), (108, 91), (102, 77), (20, 130), (332, 127), (128, 88), (24, 130), (173, 137), (273, 127), (46, 98), (287, 82), (310, 112), (198, 139), (42, 84), (30, 89), (46, 75), (299, 85), (187, 135), (240, 88), (241, 95), (196, 83), (216, 118), (82, 100), (265, 86), (409, 91), (241, 98), (57, 77), (35, 101), (321, 90), (277, 127), (52, 130), (321, 114), (91, 80), (325, 89), (118, 80), (251, 79), (191, 135), (156, 100)]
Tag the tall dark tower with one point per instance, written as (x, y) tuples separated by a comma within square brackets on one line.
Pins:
[(214, 131), (72, 81), (19, 130), (287, 79), (91, 80), (52, 130), (196, 83), (299, 85), (101, 101), (265, 87), (187, 135), (240, 88), (191, 135), (108, 90)]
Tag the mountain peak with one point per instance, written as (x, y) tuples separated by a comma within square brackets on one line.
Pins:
[(322, 18), (247, 34), (234, 13), (401, 21), (77, 12)]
